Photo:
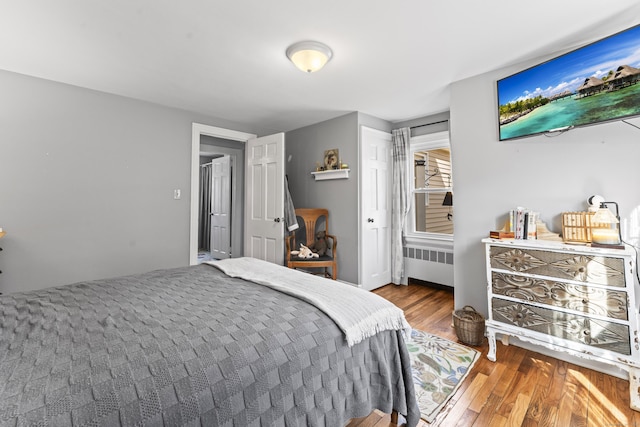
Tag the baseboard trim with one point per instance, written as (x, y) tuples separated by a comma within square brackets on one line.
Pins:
[(414, 281)]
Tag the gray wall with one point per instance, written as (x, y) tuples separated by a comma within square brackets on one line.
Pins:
[(427, 124), (305, 147), (548, 174), (375, 123), (87, 182)]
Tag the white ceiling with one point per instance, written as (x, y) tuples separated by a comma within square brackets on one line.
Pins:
[(226, 58)]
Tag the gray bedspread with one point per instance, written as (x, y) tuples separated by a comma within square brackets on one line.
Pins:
[(189, 346)]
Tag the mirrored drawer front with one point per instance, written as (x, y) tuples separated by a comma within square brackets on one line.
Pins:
[(567, 266), (581, 298), (579, 329)]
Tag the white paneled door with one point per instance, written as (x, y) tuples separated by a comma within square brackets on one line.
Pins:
[(375, 221), (264, 196), (221, 207)]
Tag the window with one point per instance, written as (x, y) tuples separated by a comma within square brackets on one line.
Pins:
[(431, 213)]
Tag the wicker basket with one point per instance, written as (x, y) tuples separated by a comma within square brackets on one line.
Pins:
[(469, 325)]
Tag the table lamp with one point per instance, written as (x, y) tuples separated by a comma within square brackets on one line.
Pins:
[(605, 228)]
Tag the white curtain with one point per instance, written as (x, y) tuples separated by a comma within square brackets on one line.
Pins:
[(400, 203)]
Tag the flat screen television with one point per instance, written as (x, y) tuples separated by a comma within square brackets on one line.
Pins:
[(596, 83)]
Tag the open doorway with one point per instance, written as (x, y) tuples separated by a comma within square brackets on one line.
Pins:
[(213, 141), (221, 194)]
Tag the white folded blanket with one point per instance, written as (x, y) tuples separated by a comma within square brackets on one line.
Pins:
[(358, 313)]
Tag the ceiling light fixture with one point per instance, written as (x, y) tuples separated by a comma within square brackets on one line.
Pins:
[(309, 56)]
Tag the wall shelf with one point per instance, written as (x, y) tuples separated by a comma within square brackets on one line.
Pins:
[(331, 174)]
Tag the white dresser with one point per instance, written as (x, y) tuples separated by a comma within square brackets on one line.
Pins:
[(567, 298)]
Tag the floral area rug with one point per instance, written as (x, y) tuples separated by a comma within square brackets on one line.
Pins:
[(439, 366)]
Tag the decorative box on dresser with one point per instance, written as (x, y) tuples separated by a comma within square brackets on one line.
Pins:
[(568, 298)]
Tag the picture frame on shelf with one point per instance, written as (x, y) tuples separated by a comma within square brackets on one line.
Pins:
[(331, 159)]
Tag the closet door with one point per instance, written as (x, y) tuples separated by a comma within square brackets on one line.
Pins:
[(375, 215)]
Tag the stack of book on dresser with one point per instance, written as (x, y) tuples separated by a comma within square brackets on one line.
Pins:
[(521, 225)]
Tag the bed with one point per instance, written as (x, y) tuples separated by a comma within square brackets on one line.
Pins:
[(192, 346)]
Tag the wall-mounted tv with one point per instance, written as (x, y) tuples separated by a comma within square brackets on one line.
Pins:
[(596, 83)]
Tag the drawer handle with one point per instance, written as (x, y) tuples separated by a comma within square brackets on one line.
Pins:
[(585, 300)]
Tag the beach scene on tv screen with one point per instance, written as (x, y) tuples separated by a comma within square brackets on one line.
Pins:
[(596, 83)]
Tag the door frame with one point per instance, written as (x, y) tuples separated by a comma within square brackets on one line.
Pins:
[(197, 131)]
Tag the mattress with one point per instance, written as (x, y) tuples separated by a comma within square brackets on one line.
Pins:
[(189, 346)]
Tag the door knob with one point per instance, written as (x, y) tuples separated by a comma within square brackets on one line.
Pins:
[(369, 219), (276, 219)]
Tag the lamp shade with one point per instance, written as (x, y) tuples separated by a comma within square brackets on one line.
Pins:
[(309, 56), (448, 199), (604, 216), (605, 227)]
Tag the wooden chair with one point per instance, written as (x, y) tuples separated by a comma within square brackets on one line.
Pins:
[(308, 220)]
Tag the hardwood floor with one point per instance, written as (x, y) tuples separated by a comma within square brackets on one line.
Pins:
[(522, 388)]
